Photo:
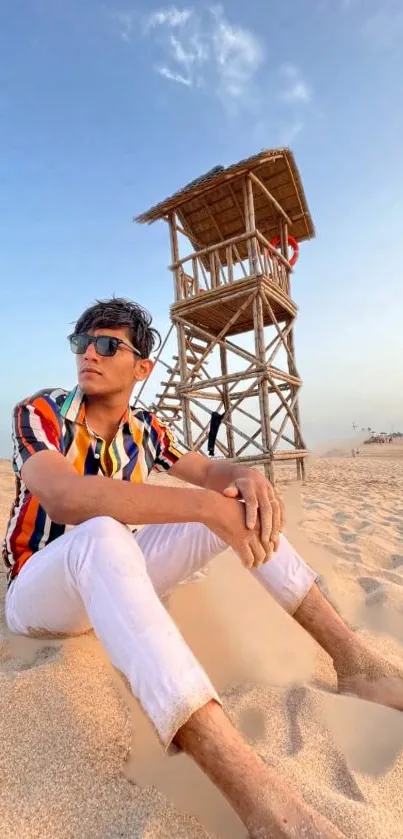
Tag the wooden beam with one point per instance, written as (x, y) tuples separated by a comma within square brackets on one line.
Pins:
[(298, 194), (236, 202), (260, 351), (175, 256), (234, 240), (252, 222), (226, 401), (215, 223), (218, 380), (222, 333), (275, 324), (243, 396), (270, 197), (237, 430), (263, 241)]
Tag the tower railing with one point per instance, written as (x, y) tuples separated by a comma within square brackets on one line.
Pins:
[(222, 264)]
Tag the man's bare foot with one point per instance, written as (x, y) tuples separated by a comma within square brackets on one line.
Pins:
[(359, 671), (371, 677)]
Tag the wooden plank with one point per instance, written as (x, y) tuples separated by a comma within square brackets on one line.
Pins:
[(191, 360)]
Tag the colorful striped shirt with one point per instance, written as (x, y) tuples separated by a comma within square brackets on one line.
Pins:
[(54, 420)]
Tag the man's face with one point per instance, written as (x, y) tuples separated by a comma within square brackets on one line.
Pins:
[(111, 375)]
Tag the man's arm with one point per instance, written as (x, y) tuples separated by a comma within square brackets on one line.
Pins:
[(262, 504), (69, 498)]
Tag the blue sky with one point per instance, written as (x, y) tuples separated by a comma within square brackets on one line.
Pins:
[(106, 108)]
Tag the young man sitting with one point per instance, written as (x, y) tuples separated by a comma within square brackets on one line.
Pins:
[(81, 459)]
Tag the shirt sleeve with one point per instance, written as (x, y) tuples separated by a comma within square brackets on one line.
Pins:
[(36, 428), (167, 452)]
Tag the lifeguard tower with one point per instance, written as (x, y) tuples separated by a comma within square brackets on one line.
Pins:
[(234, 384)]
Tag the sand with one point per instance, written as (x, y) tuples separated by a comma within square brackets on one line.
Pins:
[(78, 759)]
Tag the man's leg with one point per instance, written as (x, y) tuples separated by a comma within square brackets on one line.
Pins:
[(95, 575), (294, 585), (174, 552)]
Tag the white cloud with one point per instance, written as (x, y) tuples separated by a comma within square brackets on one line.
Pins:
[(206, 50), (238, 53), (171, 17), (174, 77), (290, 71), (299, 91), (296, 90), (126, 23), (180, 54)]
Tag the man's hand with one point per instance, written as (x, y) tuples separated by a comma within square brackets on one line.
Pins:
[(226, 518), (263, 507)]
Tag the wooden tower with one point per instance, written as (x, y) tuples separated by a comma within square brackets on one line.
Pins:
[(234, 383)]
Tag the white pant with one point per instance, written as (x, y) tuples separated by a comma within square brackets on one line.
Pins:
[(99, 575)]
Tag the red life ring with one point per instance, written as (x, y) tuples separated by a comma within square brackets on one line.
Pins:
[(276, 241)]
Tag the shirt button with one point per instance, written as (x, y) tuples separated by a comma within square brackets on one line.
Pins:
[(96, 455)]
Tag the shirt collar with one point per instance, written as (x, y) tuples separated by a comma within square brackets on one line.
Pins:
[(73, 408)]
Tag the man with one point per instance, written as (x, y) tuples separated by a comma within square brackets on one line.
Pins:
[(81, 459)]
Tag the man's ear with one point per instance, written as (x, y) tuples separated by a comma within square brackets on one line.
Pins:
[(144, 368)]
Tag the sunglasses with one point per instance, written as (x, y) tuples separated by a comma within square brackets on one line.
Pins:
[(105, 345)]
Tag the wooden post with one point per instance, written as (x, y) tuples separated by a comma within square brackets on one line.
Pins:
[(299, 443), (260, 351), (227, 402), (284, 250), (181, 336), (248, 224), (175, 250), (213, 270), (252, 225), (196, 287), (230, 266)]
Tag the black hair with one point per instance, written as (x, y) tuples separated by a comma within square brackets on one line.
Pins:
[(116, 313)]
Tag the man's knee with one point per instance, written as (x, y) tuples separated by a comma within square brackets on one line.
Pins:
[(103, 528), (106, 543)]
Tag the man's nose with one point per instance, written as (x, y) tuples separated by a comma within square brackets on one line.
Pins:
[(90, 352)]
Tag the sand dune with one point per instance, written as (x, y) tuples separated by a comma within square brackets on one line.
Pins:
[(78, 759)]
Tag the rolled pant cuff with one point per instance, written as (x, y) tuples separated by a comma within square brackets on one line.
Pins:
[(192, 699), (301, 588)]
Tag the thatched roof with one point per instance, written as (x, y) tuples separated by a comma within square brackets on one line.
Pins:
[(212, 207)]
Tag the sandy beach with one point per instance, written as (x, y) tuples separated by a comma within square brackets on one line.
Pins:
[(78, 759)]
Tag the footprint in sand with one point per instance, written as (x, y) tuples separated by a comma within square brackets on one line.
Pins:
[(26, 658), (294, 701), (347, 537), (341, 517), (362, 525), (374, 590), (396, 561), (43, 656)]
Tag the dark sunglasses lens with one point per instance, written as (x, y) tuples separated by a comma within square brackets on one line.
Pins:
[(79, 343), (106, 345)]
